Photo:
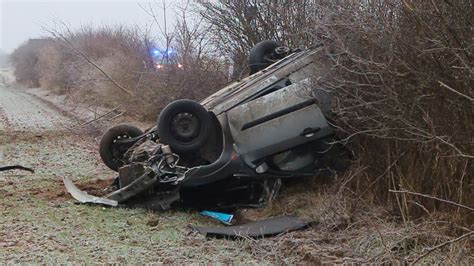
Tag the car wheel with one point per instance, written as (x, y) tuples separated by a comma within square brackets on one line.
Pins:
[(110, 151), (261, 55), (185, 125)]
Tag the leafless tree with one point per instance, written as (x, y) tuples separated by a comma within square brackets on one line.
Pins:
[(238, 25)]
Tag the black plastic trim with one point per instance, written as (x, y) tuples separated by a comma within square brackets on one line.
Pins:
[(277, 114)]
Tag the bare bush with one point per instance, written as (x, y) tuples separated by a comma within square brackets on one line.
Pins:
[(236, 26), (114, 66), (196, 80), (402, 84), (26, 59)]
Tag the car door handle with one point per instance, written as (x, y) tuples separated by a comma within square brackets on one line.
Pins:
[(309, 131)]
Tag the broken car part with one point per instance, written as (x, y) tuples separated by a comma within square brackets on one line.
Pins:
[(224, 218), (268, 227), (16, 167), (83, 197)]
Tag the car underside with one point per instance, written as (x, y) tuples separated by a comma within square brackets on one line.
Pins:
[(233, 148)]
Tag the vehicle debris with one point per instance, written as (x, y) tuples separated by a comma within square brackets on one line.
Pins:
[(224, 218), (84, 197), (230, 150), (16, 167), (264, 228)]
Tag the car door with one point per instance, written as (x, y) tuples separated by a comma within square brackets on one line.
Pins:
[(278, 121)]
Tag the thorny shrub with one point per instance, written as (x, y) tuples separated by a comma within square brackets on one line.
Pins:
[(401, 76), (401, 79)]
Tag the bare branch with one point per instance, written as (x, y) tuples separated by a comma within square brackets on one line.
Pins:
[(442, 245), (455, 91), (432, 197)]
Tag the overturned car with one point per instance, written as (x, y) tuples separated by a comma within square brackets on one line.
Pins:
[(232, 148)]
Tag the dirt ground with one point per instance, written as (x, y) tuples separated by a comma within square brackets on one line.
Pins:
[(40, 222)]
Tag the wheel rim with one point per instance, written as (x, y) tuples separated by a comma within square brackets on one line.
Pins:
[(282, 50), (185, 127)]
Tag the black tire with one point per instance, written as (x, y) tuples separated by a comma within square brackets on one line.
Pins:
[(185, 125), (112, 154), (260, 54)]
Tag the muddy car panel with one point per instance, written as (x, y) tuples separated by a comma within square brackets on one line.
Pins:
[(276, 122), (252, 86)]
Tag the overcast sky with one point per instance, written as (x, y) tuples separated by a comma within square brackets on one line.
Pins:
[(24, 19)]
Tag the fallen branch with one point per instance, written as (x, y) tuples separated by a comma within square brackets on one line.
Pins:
[(442, 245), (432, 197), (114, 117), (99, 117)]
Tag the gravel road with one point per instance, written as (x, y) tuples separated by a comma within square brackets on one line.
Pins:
[(39, 221), (20, 111)]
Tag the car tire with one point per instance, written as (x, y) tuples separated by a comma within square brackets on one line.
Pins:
[(185, 125), (110, 154), (260, 54)]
